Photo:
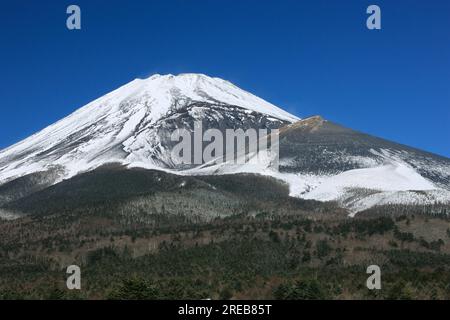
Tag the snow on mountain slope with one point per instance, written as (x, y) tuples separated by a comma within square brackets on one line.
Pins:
[(390, 177), (8, 215), (121, 126), (394, 183)]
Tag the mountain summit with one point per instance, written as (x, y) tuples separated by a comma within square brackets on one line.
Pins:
[(131, 126)]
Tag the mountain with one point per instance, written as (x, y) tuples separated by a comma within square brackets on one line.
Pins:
[(130, 126)]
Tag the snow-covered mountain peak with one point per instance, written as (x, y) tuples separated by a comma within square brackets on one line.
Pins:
[(122, 126), (169, 89)]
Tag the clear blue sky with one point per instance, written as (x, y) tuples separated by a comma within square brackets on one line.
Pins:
[(309, 57)]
